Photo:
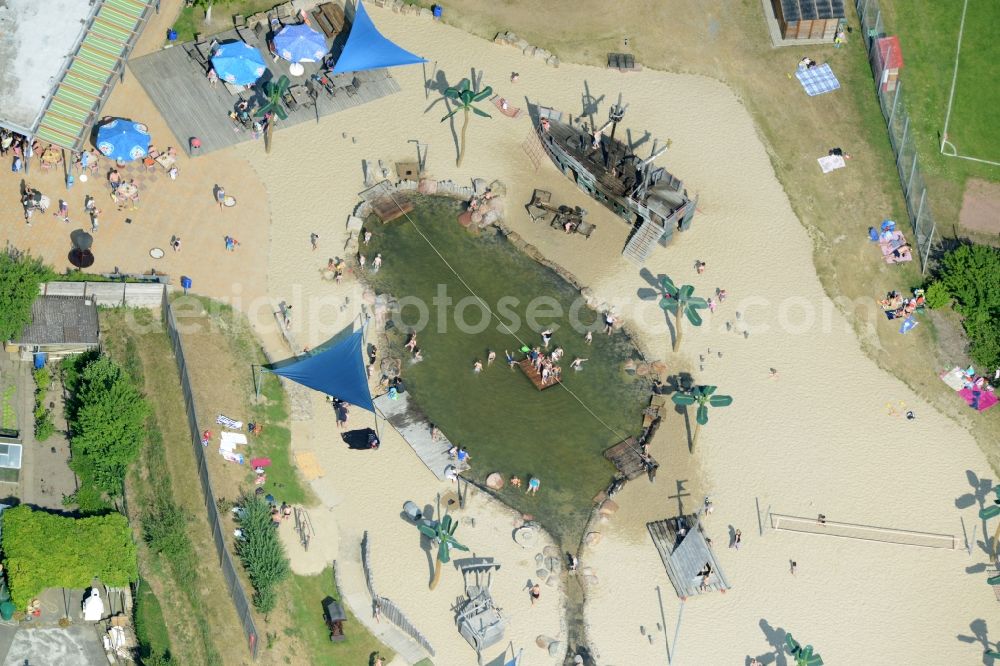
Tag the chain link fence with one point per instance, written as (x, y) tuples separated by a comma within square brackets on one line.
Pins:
[(892, 101), (229, 572)]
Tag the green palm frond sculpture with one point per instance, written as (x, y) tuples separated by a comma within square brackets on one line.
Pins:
[(704, 397), (444, 535), (682, 304), (465, 98), (803, 655), (274, 91)]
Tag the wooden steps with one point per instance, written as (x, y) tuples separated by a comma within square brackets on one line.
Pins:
[(642, 242)]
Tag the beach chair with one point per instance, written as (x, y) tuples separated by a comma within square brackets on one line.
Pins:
[(240, 23), (260, 29)]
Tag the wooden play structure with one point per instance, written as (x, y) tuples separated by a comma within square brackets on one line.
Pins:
[(629, 460), (564, 218), (687, 555)]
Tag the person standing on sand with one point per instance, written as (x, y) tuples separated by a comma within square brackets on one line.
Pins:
[(794, 566), (535, 593), (314, 240), (220, 196), (737, 538)]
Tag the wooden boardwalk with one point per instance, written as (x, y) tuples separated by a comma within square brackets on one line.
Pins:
[(194, 108), (414, 427), (685, 557), (535, 377), (627, 458)]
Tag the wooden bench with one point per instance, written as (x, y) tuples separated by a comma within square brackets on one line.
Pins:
[(623, 62)]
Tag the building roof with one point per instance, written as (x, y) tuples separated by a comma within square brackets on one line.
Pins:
[(811, 10), (890, 52), (10, 455), (38, 38), (60, 320)]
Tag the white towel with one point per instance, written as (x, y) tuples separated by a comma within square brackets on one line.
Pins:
[(830, 162), (234, 438)]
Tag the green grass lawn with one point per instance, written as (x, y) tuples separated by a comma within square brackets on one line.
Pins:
[(150, 627), (8, 418), (192, 19), (309, 626), (928, 33)]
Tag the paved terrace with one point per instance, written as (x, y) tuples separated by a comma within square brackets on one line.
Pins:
[(179, 88)]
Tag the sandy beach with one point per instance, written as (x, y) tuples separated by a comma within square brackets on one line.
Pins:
[(817, 439)]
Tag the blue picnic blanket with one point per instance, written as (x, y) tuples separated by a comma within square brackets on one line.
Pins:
[(817, 80)]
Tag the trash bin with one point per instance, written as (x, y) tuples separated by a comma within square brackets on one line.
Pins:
[(171, 35), (412, 511), (7, 609), (40, 358), (436, 10), (185, 283)]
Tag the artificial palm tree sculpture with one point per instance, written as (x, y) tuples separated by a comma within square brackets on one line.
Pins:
[(274, 91), (985, 514), (803, 655), (444, 534), (704, 397), (681, 303), (464, 98)]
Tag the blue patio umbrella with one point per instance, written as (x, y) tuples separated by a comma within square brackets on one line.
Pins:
[(238, 63), (300, 43), (124, 140)]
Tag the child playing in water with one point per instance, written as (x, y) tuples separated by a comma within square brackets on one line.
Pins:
[(510, 359), (533, 484), (477, 367), (577, 364), (492, 356)]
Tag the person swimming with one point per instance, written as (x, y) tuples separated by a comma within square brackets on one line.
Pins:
[(477, 367), (547, 337), (510, 359), (577, 363), (492, 356), (411, 343), (417, 356)]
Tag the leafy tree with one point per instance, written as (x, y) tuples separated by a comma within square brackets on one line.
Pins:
[(681, 303), (464, 98), (936, 295), (20, 276), (971, 276), (163, 530), (106, 415), (43, 550), (443, 533), (971, 273), (261, 552), (704, 397)]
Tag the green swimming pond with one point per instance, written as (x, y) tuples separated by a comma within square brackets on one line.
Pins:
[(557, 435)]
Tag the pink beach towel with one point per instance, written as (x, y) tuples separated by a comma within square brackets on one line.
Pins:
[(979, 400)]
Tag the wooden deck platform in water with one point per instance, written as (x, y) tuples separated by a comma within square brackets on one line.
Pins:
[(628, 459), (414, 427), (535, 377), (685, 557), (192, 107)]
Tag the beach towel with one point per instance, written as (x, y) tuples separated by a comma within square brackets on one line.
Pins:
[(978, 399), (829, 163), (233, 457), (234, 438), (954, 378), (908, 325), (511, 112), (228, 422), (817, 80)]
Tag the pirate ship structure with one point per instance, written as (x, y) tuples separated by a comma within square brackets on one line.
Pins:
[(646, 196)]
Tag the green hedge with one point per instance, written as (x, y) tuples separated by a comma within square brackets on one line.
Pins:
[(43, 550)]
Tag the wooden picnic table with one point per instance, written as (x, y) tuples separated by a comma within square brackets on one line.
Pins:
[(330, 18), (166, 161)]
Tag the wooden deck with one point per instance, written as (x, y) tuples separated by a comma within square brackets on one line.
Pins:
[(388, 209), (627, 458), (535, 377), (414, 427), (685, 557), (194, 108)]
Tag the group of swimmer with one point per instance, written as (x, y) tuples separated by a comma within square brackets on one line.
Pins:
[(543, 362)]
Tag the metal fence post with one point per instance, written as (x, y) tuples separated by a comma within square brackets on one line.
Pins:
[(895, 99), (913, 171), (902, 143)]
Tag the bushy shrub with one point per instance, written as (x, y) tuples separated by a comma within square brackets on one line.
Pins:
[(936, 295), (261, 551), (971, 276)]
